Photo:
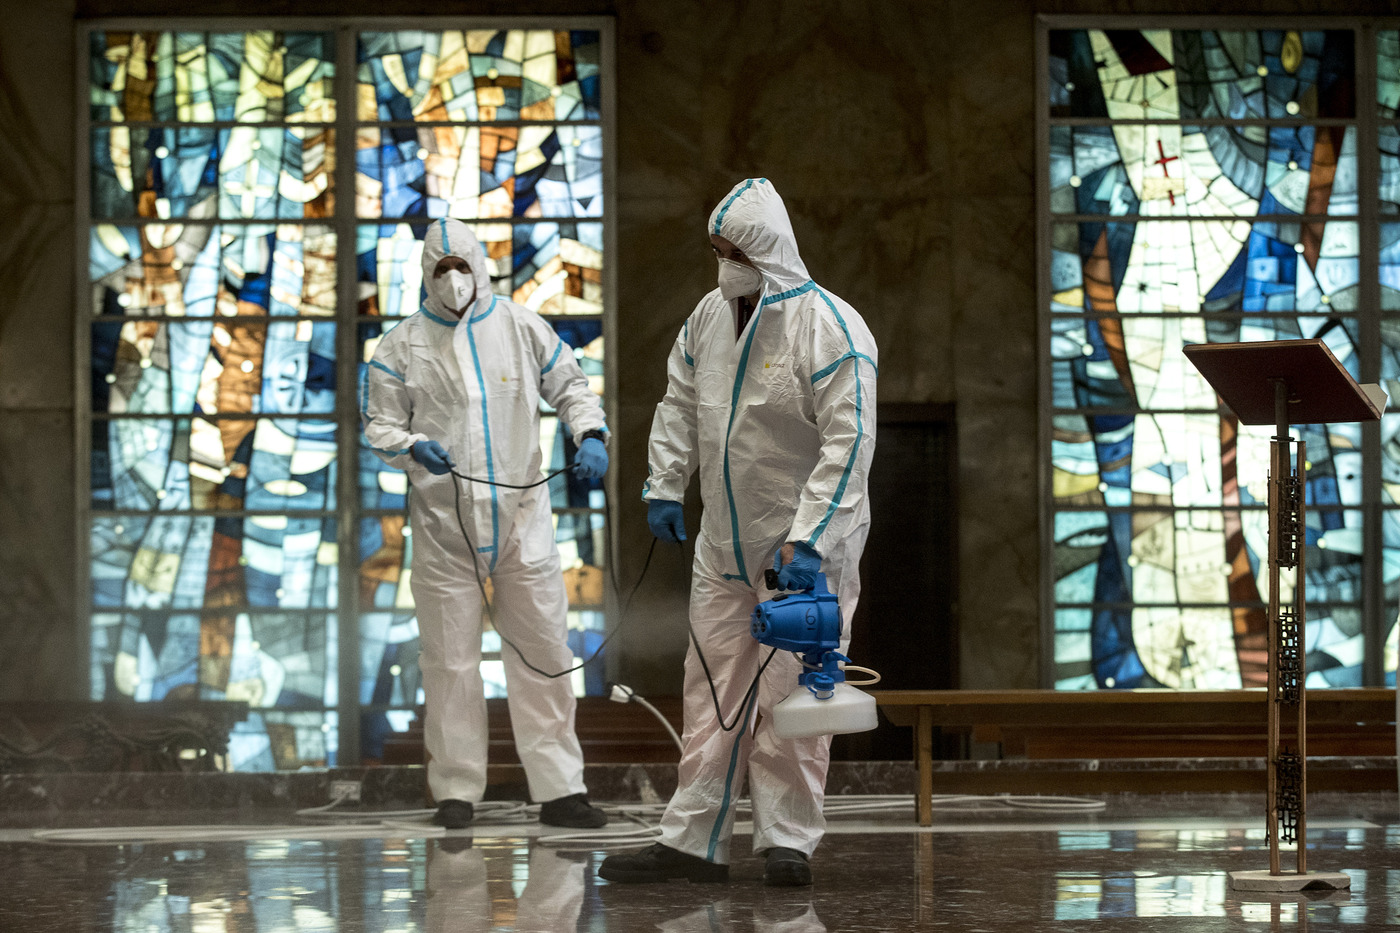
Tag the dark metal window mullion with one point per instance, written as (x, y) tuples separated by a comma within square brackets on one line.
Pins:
[(1045, 474), (1368, 211), (347, 404), (82, 370)]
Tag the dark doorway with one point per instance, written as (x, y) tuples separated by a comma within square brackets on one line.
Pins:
[(906, 624)]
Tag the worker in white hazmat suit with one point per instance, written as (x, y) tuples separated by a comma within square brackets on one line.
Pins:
[(456, 389), (771, 398)]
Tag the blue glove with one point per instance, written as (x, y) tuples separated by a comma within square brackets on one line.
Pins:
[(800, 573), (430, 453), (667, 520), (591, 461)]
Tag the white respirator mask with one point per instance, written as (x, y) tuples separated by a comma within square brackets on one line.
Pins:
[(456, 290), (737, 280)]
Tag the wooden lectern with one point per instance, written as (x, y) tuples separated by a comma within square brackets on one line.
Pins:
[(1286, 382)]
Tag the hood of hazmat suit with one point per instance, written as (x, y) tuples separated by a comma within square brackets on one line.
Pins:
[(474, 384), (780, 423)]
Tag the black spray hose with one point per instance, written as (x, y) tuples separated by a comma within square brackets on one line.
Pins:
[(626, 606), (481, 584)]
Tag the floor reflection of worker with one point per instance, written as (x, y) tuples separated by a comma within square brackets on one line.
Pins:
[(459, 899), (776, 916), (457, 895), (772, 916), (710, 918), (553, 895)]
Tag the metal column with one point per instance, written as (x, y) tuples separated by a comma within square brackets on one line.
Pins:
[(1286, 810)]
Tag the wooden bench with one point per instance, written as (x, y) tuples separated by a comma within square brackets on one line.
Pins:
[(1085, 721)]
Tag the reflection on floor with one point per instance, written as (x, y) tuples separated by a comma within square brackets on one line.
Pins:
[(1141, 863)]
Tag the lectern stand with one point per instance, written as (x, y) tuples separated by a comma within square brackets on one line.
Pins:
[(1286, 382)]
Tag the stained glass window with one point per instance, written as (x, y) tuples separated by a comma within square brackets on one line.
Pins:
[(222, 401), (500, 130), (1206, 186)]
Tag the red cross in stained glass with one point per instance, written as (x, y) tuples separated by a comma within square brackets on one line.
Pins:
[(1162, 161)]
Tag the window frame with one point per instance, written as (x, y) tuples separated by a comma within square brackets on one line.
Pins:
[(1376, 620), (344, 221)]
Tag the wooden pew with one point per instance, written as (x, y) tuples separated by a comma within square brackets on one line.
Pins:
[(1083, 721)]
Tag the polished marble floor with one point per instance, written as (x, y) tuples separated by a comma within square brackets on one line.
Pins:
[(1140, 863)]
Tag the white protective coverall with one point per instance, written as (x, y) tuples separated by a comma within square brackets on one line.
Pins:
[(474, 385), (780, 424)]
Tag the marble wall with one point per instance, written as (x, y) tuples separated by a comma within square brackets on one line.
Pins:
[(901, 134), (39, 632)]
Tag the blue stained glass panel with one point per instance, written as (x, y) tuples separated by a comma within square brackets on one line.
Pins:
[(1200, 266), (585, 337), (1195, 556), (558, 268), (199, 270), (480, 76), (170, 464), (245, 172), (381, 486), (1388, 73), (389, 268), (1390, 537), (1131, 361), (1335, 646), (151, 561), (480, 172), (198, 77), (212, 366), (1390, 267), (1130, 572), (385, 547), (389, 672), (1074, 649), (273, 740), (1183, 170), (1192, 460), (1171, 74), (1388, 184)]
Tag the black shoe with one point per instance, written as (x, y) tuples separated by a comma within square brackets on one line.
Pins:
[(573, 811), (660, 863), (453, 814), (786, 868)]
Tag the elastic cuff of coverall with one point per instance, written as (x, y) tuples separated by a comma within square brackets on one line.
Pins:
[(794, 537), (659, 493), (408, 445), (721, 855), (762, 843), (601, 433)]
